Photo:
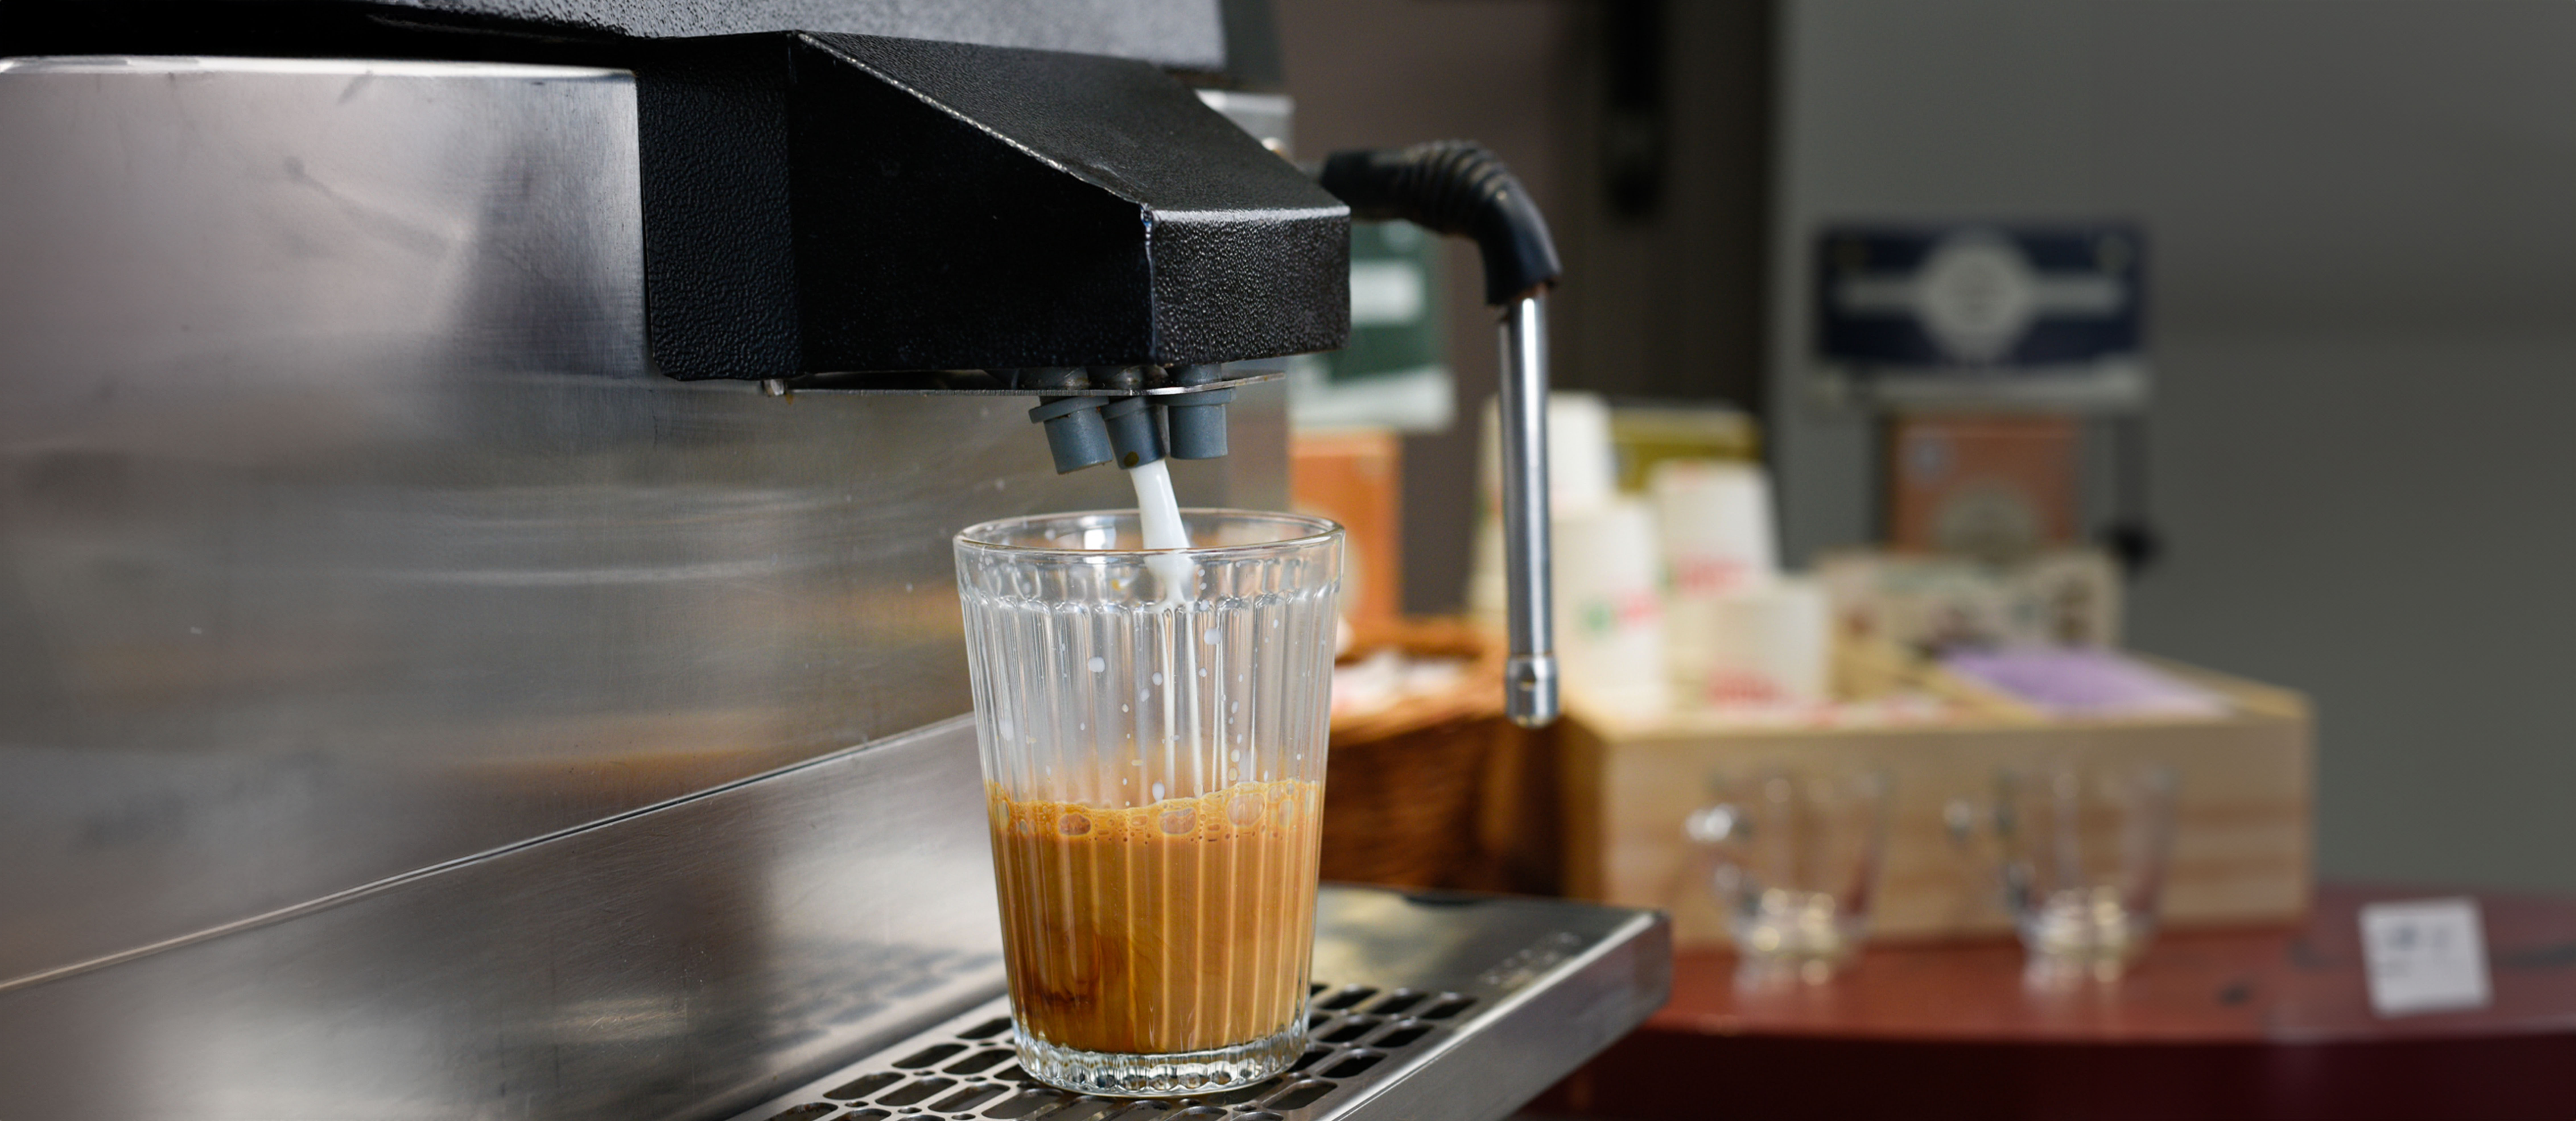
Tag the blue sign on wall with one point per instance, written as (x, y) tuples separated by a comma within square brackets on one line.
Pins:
[(1982, 314)]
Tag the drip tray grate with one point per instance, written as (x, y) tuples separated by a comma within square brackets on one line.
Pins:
[(1508, 996), (987, 1082)]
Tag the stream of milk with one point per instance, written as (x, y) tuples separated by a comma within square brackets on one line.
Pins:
[(1160, 511)]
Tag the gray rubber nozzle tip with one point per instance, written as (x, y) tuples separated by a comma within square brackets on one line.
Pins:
[(1076, 435), (1133, 431), (1198, 424), (1197, 420)]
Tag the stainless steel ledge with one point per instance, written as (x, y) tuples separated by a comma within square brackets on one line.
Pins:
[(978, 383)]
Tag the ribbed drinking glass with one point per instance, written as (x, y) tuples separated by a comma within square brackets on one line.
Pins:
[(1153, 726), (1794, 857), (2085, 847)]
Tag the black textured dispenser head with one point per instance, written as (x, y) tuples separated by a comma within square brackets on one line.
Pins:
[(1197, 420), (842, 204), (1075, 433)]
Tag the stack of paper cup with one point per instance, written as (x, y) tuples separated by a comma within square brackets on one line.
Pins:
[(1582, 466), (1609, 608), (1761, 646), (1716, 519), (1737, 632), (1582, 477)]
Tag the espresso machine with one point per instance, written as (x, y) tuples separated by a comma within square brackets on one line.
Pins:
[(477, 632)]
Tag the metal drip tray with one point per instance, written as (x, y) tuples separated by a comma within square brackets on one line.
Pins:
[(1425, 1005)]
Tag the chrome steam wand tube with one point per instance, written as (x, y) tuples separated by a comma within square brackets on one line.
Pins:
[(1529, 678), (1456, 187)]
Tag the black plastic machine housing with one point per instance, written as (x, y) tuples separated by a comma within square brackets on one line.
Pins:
[(831, 188), (823, 203)]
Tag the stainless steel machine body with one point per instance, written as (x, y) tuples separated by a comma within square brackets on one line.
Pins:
[(414, 703), (346, 537)]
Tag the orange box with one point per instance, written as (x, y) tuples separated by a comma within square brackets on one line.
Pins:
[(1985, 485), (1356, 477)]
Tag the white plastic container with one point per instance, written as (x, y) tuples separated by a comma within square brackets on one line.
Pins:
[(1715, 531), (1609, 607), (1770, 645)]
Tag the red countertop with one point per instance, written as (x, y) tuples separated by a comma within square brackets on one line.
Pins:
[(2251, 1023)]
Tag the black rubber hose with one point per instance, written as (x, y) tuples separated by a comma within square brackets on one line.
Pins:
[(1454, 187)]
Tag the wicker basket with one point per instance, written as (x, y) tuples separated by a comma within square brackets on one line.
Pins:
[(1404, 786)]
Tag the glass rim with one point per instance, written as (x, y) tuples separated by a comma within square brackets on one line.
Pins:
[(1319, 530)]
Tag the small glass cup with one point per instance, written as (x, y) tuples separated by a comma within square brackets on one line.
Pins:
[(1794, 859), (1152, 726), (2083, 850)]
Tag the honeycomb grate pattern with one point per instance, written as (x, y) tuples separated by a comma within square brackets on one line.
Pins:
[(966, 1069)]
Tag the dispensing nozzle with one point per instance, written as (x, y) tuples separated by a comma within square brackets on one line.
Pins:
[(1129, 431), (1077, 435), (1197, 420), (1132, 432), (1135, 433)]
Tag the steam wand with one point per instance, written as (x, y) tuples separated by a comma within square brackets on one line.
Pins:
[(1457, 187)]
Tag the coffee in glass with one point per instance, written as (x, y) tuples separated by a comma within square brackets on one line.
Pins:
[(1154, 759)]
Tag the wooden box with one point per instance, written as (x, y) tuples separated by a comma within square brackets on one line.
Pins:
[(2242, 842)]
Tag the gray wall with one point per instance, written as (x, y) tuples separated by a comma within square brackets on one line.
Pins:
[(2362, 223)]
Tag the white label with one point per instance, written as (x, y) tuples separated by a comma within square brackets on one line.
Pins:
[(2426, 955), (1384, 292)]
